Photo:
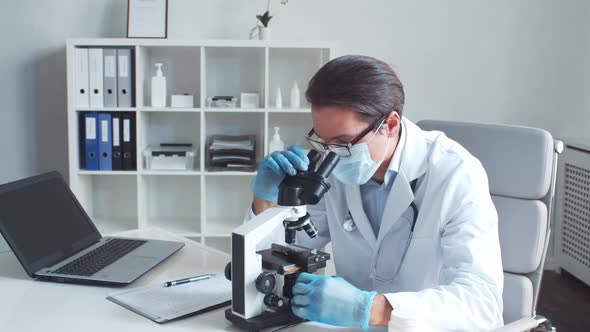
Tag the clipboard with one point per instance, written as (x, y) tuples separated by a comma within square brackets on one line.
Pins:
[(164, 304)]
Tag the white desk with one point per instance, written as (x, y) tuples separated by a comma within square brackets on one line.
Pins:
[(29, 305)]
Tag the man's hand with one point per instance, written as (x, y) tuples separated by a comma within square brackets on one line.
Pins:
[(331, 300), (380, 311)]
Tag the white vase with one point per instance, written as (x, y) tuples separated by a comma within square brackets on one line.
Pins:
[(279, 99), (264, 33)]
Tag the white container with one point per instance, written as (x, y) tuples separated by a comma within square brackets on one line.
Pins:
[(264, 33), (159, 88), (170, 157), (276, 144), (182, 101), (295, 96), (249, 100), (279, 99)]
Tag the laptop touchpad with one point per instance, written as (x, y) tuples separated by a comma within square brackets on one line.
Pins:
[(139, 261)]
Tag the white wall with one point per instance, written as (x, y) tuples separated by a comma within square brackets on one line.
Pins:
[(33, 80), (505, 61), (521, 62)]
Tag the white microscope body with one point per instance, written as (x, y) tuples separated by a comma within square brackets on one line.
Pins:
[(265, 262)]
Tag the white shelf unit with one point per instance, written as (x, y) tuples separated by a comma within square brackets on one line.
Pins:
[(202, 205)]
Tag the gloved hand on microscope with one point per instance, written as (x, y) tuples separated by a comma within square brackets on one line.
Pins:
[(273, 169)]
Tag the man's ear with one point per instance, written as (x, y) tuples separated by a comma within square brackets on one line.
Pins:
[(392, 122)]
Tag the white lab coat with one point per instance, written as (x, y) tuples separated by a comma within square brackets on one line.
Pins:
[(451, 277)]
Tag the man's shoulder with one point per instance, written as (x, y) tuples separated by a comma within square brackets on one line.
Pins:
[(447, 159)]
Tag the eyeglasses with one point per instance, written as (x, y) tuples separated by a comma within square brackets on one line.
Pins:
[(342, 149)]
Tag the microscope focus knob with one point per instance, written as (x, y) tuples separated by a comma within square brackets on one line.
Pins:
[(274, 301), (227, 271), (265, 283)]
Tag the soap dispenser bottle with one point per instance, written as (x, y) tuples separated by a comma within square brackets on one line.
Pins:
[(159, 88), (276, 144), (295, 96)]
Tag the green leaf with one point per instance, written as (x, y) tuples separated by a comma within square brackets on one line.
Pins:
[(264, 19)]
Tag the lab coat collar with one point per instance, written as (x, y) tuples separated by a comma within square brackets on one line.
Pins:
[(413, 157), (414, 151), (394, 164), (410, 157)]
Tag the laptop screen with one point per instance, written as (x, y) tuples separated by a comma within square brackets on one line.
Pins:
[(43, 222)]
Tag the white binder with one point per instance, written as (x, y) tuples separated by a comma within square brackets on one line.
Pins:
[(81, 77), (110, 77), (124, 77), (95, 76)]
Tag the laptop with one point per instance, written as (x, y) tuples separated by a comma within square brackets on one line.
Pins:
[(55, 240)]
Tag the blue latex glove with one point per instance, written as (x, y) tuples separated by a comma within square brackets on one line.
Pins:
[(273, 168), (331, 300)]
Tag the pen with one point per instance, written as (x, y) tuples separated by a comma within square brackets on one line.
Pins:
[(187, 280)]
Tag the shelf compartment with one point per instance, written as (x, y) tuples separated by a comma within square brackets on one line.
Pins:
[(196, 238), (233, 110), (289, 64), (172, 203), (170, 109), (111, 226), (227, 201), (169, 173), (110, 201), (219, 243), (289, 110), (84, 172), (181, 67), (161, 127), (236, 124), (233, 70), (293, 128), (106, 109)]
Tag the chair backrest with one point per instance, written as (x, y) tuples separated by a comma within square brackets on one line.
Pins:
[(519, 162)]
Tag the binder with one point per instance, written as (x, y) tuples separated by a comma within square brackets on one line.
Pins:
[(129, 148), (82, 140), (117, 148), (110, 77), (91, 141), (81, 77), (124, 77), (95, 77), (105, 142)]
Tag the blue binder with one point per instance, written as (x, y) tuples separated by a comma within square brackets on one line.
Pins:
[(91, 141), (105, 141)]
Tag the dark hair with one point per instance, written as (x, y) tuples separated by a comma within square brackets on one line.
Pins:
[(360, 83)]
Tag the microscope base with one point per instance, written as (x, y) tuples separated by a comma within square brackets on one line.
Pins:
[(263, 321)]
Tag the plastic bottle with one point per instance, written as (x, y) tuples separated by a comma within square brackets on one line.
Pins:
[(159, 88), (279, 99), (276, 144), (295, 96)]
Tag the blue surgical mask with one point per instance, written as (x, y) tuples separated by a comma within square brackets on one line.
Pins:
[(359, 167)]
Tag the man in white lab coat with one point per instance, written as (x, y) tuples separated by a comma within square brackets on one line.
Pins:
[(409, 215)]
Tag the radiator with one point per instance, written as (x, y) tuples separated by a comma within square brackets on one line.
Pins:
[(573, 211)]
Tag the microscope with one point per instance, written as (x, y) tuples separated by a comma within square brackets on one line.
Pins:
[(266, 262)]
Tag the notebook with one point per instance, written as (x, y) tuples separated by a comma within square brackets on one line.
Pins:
[(163, 304)]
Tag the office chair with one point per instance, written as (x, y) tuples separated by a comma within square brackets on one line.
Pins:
[(521, 165)]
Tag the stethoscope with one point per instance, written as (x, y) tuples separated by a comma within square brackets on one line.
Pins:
[(349, 225)]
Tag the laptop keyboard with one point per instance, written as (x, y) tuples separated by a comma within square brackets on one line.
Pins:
[(100, 257)]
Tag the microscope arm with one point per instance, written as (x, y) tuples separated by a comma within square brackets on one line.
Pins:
[(255, 234)]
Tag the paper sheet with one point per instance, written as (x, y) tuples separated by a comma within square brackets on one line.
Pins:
[(162, 304)]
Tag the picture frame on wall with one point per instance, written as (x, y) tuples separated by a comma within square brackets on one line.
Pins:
[(147, 19)]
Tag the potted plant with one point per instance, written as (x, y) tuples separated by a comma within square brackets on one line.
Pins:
[(264, 32)]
